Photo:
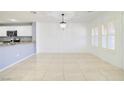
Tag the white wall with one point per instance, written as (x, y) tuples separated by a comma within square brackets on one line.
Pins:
[(112, 56), (122, 39), (52, 39), (77, 38)]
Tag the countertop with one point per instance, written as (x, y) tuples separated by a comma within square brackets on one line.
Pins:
[(8, 44)]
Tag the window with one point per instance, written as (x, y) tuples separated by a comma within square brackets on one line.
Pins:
[(93, 36), (111, 36), (108, 33), (96, 37), (104, 37)]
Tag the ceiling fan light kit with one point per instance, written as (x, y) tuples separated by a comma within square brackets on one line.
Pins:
[(63, 23)]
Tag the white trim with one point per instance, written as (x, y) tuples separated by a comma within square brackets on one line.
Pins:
[(16, 62)]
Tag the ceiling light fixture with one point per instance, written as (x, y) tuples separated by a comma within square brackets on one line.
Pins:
[(63, 23), (33, 12)]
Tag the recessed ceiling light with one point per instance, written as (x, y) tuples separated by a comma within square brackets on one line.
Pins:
[(13, 20)]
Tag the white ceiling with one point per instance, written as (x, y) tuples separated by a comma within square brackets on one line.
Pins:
[(46, 16)]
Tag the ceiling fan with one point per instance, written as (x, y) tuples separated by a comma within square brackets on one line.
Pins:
[(63, 23)]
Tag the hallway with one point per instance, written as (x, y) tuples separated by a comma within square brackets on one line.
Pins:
[(63, 67)]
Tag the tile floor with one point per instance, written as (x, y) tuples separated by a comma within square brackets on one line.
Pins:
[(63, 67)]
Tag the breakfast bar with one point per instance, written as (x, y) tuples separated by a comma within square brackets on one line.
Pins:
[(17, 43), (11, 54)]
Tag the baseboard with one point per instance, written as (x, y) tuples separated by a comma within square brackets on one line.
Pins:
[(16, 62)]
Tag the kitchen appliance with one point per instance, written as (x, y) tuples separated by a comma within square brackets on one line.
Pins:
[(12, 33)]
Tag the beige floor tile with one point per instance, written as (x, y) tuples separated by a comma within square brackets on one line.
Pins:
[(94, 76), (53, 76), (114, 74), (72, 76), (34, 76), (69, 67)]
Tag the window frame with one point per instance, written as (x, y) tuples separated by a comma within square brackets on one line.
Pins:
[(109, 35)]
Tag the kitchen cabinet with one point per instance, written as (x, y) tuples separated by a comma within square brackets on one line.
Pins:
[(24, 30)]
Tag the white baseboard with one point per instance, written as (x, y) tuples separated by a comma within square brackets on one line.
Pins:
[(16, 62)]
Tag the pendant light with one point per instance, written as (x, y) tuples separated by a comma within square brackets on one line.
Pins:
[(63, 23)]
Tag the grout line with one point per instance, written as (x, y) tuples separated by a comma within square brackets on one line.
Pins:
[(63, 72), (82, 72), (44, 76), (103, 75)]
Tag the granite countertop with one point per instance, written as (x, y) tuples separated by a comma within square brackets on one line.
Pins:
[(8, 44)]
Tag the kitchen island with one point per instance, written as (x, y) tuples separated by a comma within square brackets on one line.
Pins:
[(11, 54)]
